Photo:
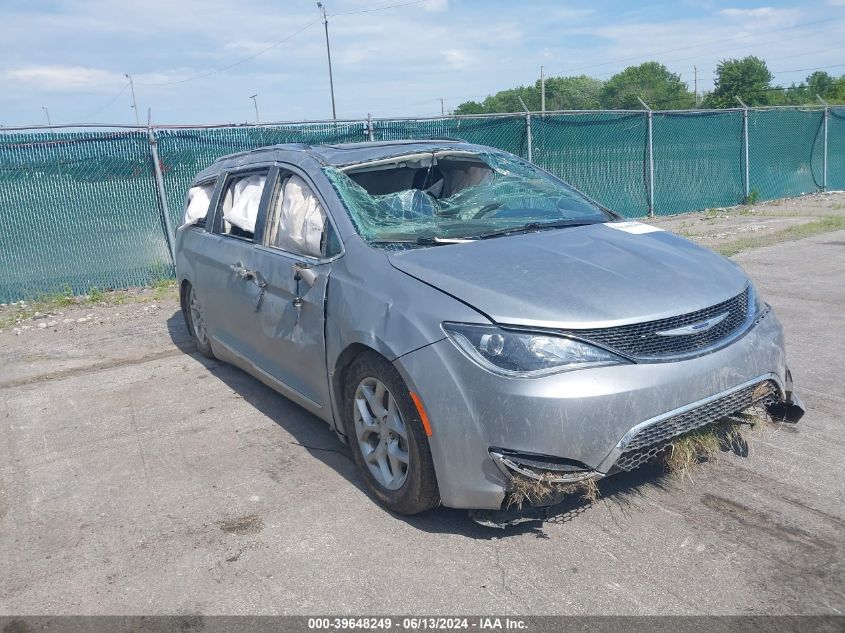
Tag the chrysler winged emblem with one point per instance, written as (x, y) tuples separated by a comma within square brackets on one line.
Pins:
[(696, 328)]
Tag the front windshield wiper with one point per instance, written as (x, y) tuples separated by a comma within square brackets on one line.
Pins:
[(425, 240), (532, 226)]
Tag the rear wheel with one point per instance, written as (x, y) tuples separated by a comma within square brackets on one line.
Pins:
[(195, 321), (387, 438)]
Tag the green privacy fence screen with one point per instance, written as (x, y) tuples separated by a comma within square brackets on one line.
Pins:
[(81, 208), (78, 210)]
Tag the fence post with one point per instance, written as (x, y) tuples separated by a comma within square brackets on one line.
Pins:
[(162, 197), (650, 121), (824, 162), (745, 145), (370, 133), (527, 129)]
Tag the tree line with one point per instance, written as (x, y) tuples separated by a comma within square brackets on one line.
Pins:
[(748, 78)]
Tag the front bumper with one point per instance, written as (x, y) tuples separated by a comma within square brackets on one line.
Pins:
[(584, 417)]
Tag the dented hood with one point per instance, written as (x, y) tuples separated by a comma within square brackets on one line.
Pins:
[(588, 276)]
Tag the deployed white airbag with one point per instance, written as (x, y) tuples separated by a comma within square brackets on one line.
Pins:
[(199, 198), (301, 219), (245, 200)]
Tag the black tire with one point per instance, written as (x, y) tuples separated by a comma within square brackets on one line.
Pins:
[(419, 491), (202, 342)]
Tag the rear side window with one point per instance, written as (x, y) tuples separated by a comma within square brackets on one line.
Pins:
[(239, 204), (196, 206)]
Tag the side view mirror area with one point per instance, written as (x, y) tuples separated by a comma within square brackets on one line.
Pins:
[(304, 273)]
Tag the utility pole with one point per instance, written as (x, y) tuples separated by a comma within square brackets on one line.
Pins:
[(134, 103), (255, 103), (47, 113), (542, 91), (695, 71), (329, 55), (442, 107)]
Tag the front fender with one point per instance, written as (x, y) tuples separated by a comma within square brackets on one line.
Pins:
[(371, 305)]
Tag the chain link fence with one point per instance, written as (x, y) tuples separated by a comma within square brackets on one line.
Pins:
[(83, 210)]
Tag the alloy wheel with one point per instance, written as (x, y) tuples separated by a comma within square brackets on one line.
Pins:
[(381, 433)]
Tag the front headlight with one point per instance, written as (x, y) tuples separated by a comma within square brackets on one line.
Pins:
[(525, 354)]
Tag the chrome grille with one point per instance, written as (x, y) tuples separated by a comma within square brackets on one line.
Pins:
[(643, 341), (653, 440)]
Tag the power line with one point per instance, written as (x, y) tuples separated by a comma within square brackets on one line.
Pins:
[(111, 101), (237, 63), (390, 6), (771, 59), (276, 44), (798, 70), (683, 48), (707, 56)]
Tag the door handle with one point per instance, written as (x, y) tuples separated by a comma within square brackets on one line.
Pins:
[(255, 277), (239, 270), (245, 273)]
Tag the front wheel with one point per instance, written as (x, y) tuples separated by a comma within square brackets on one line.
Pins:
[(387, 437)]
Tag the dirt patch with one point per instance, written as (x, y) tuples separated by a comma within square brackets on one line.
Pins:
[(249, 524), (754, 519), (90, 369), (730, 230), (63, 311)]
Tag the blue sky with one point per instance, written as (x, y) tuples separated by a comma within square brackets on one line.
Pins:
[(71, 55)]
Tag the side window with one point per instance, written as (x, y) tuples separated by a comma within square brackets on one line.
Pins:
[(297, 220), (196, 206), (239, 203)]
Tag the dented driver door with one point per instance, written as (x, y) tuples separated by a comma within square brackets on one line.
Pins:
[(287, 321)]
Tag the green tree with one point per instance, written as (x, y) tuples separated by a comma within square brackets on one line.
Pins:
[(837, 94), (822, 84), (748, 78), (572, 93), (503, 101), (470, 107), (562, 93), (652, 82)]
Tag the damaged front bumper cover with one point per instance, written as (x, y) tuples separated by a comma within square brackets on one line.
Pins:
[(541, 467), (531, 425), (791, 409), (560, 475)]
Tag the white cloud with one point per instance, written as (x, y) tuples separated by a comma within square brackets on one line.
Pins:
[(760, 12), (435, 5), (63, 78), (769, 14), (395, 61), (457, 58)]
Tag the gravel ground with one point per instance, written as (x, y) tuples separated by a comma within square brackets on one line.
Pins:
[(137, 477), (720, 226)]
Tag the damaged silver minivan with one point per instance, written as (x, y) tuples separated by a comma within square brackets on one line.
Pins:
[(464, 319)]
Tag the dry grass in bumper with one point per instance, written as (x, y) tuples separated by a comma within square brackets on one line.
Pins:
[(678, 458)]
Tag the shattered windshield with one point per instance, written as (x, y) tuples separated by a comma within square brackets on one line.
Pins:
[(446, 196)]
